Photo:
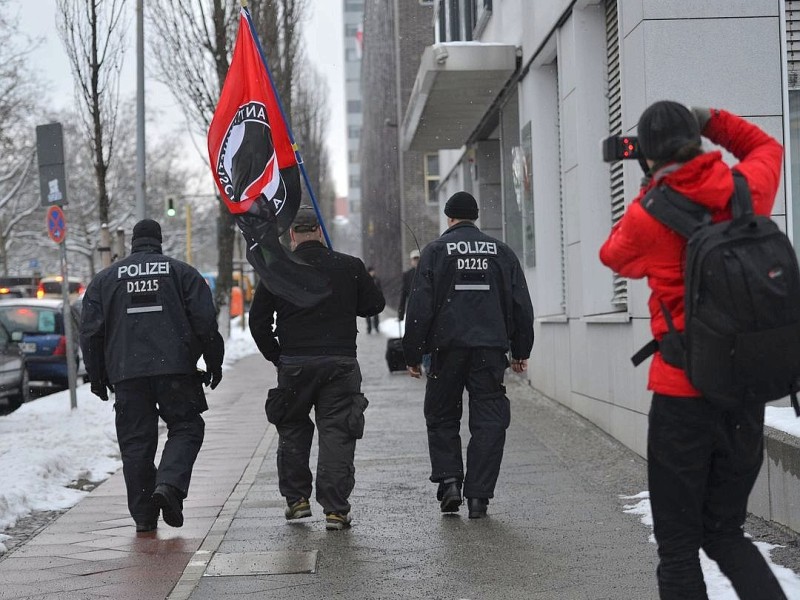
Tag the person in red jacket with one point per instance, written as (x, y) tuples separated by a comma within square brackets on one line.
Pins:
[(702, 461)]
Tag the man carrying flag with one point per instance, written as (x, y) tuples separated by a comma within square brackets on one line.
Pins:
[(257, 172)]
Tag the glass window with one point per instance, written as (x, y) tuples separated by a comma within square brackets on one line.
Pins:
[(432, 177), (354, 5), (27, 319), (354, 106), (353, 132), (512, 185)]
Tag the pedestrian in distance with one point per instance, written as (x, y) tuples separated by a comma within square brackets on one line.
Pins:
[(146, 321), (703, 457), (469, 306), (373, 321), (408, 282), (314, 351)]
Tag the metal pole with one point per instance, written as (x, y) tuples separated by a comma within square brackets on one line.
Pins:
[(105, 246), (188, 233), (68, 333), (141, 210)]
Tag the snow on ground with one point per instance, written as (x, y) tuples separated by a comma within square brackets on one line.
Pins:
[(45, 446), (718, 586), (782, 419)]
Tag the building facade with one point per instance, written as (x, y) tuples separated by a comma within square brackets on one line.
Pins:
[(399, 203), (516, 95), (353, 38)]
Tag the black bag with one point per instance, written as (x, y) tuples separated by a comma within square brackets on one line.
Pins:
[(741, 342), (395, 359)]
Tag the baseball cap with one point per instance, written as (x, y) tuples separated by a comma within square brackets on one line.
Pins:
[(413, 254), (305, 220)]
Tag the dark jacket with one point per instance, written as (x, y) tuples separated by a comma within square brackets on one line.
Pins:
[(408, 284), (639, 246), (328, 328), (148, 314), (469, 291)]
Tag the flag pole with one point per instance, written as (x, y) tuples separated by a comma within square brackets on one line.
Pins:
[(295, 147)]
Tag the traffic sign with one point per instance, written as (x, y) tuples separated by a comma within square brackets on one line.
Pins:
[(50, 152), (56, 224)]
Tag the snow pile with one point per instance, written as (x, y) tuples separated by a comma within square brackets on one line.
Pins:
[(717, 584), (45, 446)]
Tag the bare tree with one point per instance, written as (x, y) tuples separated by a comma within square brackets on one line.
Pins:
[(310, 115), (93, 34), (279, 27), (19, 90), (192, 42)]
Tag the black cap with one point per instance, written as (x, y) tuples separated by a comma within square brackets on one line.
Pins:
[(305, 220), (461, 205), (664, 128), (147, 228)]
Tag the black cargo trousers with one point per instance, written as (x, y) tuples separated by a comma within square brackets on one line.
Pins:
[(481, 371), (332, 386), (178, 400), (702, 463)]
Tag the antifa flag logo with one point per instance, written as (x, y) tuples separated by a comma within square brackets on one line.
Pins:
[(247, 164)]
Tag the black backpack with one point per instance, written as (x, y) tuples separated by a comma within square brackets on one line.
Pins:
[(741, 343)]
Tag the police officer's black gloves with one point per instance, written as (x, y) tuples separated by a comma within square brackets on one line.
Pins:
[(216, 377), (99, 389), (212, 377)]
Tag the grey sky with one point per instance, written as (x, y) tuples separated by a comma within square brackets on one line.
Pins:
[(323, 31)]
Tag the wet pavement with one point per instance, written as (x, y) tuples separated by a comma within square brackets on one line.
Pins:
[(556, 528)]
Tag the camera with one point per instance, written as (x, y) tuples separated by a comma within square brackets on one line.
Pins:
[(621, 147)]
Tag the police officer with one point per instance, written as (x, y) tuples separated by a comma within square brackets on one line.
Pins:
[(469, 306), (314, 350), (145, 322)]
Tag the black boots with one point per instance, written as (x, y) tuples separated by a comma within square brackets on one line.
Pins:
[(168, 499), (477, 507), (449, 495)]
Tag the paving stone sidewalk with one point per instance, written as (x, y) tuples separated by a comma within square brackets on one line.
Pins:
[(556, 530)]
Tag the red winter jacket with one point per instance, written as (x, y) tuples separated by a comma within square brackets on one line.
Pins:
[(639, 246)]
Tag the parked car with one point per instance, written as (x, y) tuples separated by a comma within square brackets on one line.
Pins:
[(38, 327), (51, 286), (14, 384)]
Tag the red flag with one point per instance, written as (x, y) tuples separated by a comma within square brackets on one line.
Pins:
[(251, 154), (255, 168)]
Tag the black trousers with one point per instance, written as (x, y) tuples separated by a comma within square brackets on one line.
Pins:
[(332, 386), (372, 323), (178, 400), (481, 371), (702, 465)]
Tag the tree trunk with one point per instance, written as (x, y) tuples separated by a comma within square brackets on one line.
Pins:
[(226, 230)]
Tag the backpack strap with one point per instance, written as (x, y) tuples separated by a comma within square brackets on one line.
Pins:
[(671, 346), (741, 201), (675, 210)]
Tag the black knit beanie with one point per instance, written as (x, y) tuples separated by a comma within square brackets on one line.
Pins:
[(147, 228), (461, 205), (664, 128)]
